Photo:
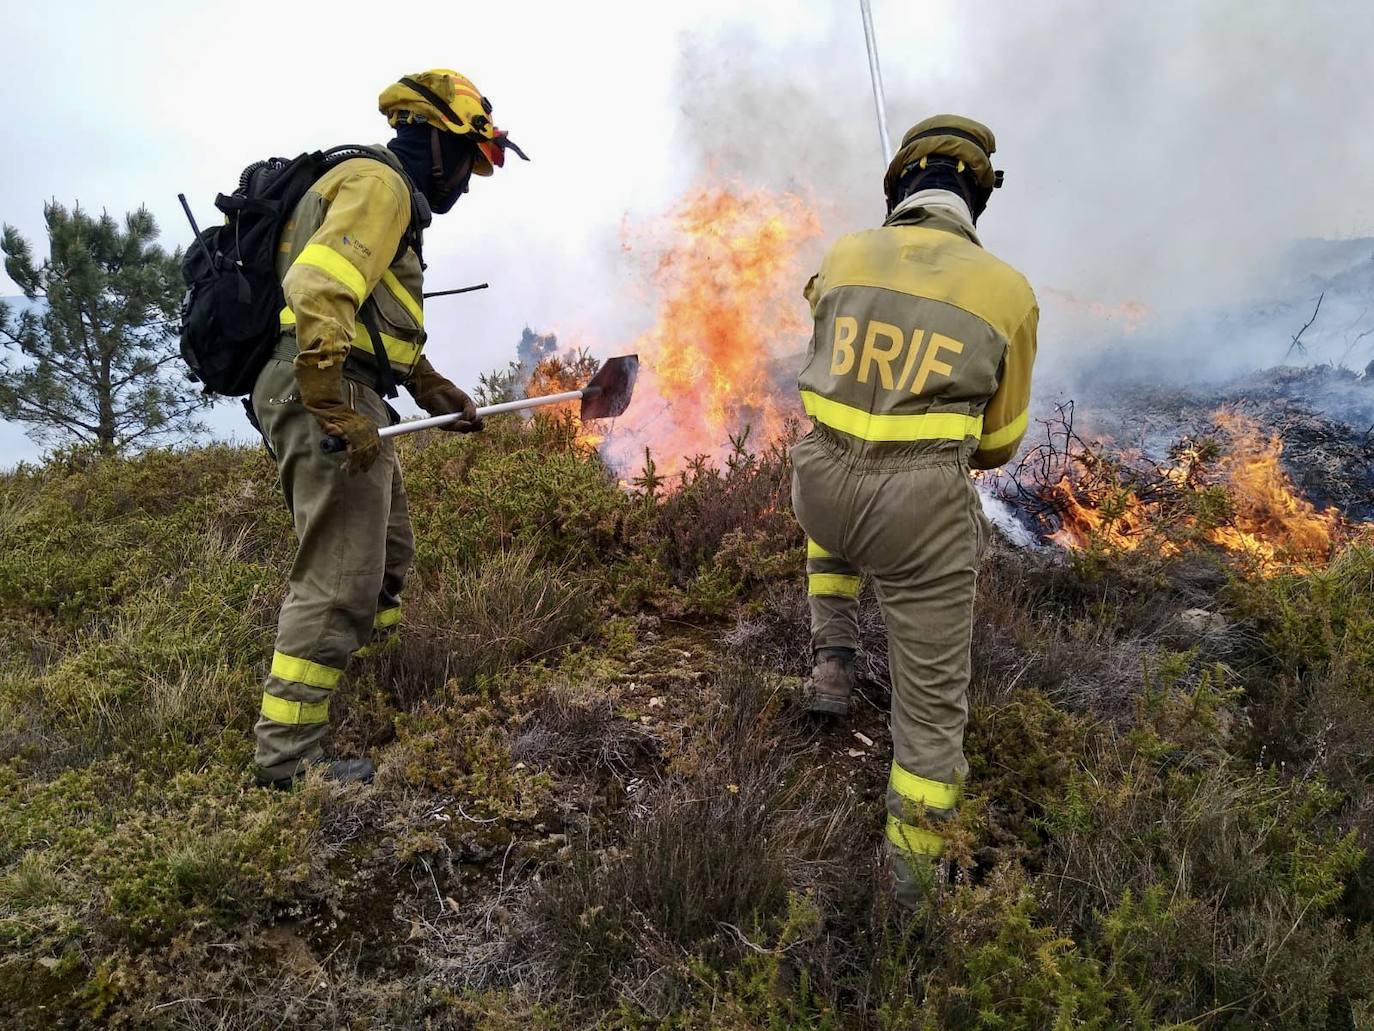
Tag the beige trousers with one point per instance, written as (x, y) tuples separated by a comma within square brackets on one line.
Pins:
[(916, 527), (354, 549)]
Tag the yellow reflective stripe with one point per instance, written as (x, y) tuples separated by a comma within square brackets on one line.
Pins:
[(814, 550), (400, 352), (387, 618), (1008, 434), (913, 839), (920, 791), (279, 710), (870, 426), (380, 643), (336, 266), (833, 584), (303, 671), (403, 295)]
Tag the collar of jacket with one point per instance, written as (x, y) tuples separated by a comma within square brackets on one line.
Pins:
[(384, 152), (419, 205), (936, 209)]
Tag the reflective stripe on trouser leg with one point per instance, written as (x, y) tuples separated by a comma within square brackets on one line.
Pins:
[(829, 575), (336, 577), (911, 796), (386, 626), (297, 691), (832, 588)]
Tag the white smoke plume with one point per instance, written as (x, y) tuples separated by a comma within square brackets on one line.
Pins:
[(1162, 159)]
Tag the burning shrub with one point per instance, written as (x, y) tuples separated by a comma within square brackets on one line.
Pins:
[(727, 267), (1236, 497)]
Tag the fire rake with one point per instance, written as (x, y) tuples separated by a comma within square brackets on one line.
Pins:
[(605, 397)]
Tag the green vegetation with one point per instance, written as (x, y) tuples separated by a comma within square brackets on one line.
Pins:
[(98, 362), (598, 803)]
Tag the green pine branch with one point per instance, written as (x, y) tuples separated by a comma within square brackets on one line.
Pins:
[(97, 362)]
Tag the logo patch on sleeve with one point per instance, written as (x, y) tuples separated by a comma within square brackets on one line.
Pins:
[(358, 245)]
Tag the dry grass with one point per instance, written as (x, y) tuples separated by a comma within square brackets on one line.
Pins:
[(713, 852), (468, 625)]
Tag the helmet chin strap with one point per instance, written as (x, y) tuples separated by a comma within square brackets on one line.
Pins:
[(445, 182)]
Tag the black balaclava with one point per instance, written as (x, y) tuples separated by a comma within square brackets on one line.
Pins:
[(414, 146), (942, 173)]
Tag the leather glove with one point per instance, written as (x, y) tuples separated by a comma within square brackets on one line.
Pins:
[(438, 396), (322, 394)]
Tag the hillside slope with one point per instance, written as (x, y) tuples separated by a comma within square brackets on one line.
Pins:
[(598, 802)]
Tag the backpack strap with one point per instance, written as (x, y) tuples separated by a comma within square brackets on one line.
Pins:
[(420, 214), (386, 375)]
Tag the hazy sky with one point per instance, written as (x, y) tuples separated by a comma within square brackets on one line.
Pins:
[(1156, 154)]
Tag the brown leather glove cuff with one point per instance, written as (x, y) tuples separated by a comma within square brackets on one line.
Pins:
[(437, 395), (426, 384), (322, 390)]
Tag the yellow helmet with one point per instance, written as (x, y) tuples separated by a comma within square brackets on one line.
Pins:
[(451, 103)]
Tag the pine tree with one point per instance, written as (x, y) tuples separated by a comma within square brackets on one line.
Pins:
[(94, 361)]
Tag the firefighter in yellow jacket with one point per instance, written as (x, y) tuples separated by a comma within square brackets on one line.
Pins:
[(353, 323), (919, 370)]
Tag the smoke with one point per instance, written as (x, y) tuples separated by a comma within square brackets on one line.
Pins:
[(533, 349), (1161, 158)]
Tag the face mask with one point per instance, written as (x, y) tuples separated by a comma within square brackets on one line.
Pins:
[(451, 163)]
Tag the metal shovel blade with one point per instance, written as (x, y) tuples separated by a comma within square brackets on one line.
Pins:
[(608, 394)]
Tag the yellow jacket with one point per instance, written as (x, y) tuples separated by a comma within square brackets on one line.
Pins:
[(340, 250), (923, 343)]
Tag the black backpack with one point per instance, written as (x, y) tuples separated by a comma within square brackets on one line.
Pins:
[(231, 315)]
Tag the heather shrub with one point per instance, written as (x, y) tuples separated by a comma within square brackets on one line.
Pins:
[(1319, 623), (722, 846), (467, 624), (519, 482), (598, 801), (733, 520)]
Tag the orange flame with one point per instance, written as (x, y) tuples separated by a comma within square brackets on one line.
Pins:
[(728, 283), (1116, 518), (1268, 521), (558, 374)]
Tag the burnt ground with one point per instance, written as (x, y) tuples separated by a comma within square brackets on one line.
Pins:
[(1323, 415)]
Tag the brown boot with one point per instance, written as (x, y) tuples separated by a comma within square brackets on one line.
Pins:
[(831, 682)]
